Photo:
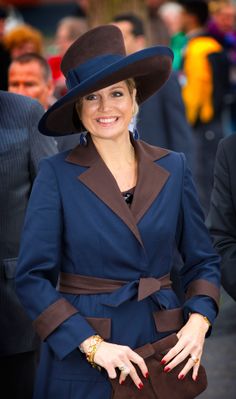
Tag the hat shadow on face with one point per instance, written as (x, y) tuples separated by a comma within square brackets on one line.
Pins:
[(97, 60)]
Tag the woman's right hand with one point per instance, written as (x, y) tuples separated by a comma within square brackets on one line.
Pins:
[(111, 357)]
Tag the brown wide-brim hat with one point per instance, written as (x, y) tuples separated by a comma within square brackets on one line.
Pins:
[(97, 60)]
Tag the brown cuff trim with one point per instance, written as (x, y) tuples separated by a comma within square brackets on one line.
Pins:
[(203, 287), (52, 317), (102, 326), (169, 320)]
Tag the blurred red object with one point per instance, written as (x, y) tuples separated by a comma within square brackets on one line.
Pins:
[(19, 3)]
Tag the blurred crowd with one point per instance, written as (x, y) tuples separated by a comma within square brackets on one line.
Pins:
[(203, 39)]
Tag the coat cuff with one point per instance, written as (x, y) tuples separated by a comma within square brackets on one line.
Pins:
[(205, 288), (52, 317)]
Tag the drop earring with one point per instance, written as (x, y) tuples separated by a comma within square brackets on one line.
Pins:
[(135, 134), (83, 139)]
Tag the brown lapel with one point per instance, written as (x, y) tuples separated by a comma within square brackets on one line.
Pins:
[(99, 179)]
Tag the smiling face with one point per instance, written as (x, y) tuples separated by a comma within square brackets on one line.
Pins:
[(107, 113)]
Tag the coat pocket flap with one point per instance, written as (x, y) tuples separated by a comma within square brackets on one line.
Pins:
[(101, 325), (169, 320)]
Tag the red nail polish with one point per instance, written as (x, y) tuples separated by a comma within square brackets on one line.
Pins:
[(166, 369), (147, 375), (195, 378), (181, 377), (140, 385), (163, 361), (122, 382)]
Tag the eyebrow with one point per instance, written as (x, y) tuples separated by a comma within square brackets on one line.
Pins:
[(117, 87)]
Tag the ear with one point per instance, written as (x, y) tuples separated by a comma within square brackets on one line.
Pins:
[(141, 42), (51, 87)]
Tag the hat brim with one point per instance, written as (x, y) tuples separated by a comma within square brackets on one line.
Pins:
[(150, 68)]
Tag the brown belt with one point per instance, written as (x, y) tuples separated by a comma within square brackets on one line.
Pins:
[(78, 284)]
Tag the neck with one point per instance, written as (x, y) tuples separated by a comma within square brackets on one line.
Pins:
[(115, 152), (195, 30), (119, 157)]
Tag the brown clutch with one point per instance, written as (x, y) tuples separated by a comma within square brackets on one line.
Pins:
[(160, 385)]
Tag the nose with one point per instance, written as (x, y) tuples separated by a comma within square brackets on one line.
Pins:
[(104, 104)]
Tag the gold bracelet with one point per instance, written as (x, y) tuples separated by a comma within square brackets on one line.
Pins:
[(204, 317), (206, 320), (94, 343)]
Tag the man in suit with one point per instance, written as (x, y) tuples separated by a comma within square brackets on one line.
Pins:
[(161, 120), (21, 148), (30, 75), (222, 216)]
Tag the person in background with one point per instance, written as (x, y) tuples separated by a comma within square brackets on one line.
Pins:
[(222, 27), (21, 149), (102, 225), (23, 39), (4, 53), (157, 31), (161, 119), (171, 14), (221, 219), (205, 72), (222, 22), (68, 30), (30, 75)]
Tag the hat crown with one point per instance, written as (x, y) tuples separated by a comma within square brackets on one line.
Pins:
[(93, 44)]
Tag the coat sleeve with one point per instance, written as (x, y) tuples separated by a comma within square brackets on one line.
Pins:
[(222, 221), (201, 271), (40, 146), (55, 319)]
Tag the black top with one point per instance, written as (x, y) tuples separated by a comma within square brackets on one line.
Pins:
[(128, 195)]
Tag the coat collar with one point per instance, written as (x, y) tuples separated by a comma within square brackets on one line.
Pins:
[(99, 179)]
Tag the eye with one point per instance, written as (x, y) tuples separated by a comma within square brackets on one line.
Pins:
[(30, 84), (117, 93), (90, 97)]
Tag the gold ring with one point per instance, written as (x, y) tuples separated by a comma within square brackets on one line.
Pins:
[(194, 358)]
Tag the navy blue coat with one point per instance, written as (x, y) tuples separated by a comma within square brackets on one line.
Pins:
[(78, 222)]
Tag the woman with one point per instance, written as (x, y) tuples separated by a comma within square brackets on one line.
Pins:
[(93, 271)]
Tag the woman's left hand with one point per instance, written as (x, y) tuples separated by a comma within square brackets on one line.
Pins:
[(190, 347)]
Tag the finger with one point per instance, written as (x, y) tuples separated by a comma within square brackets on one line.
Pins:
[(130, 370), (134, 376), (184, 354), (188, 366), (195, 370), (135, 358), (123, 375), (110, 370), (173, 352)]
